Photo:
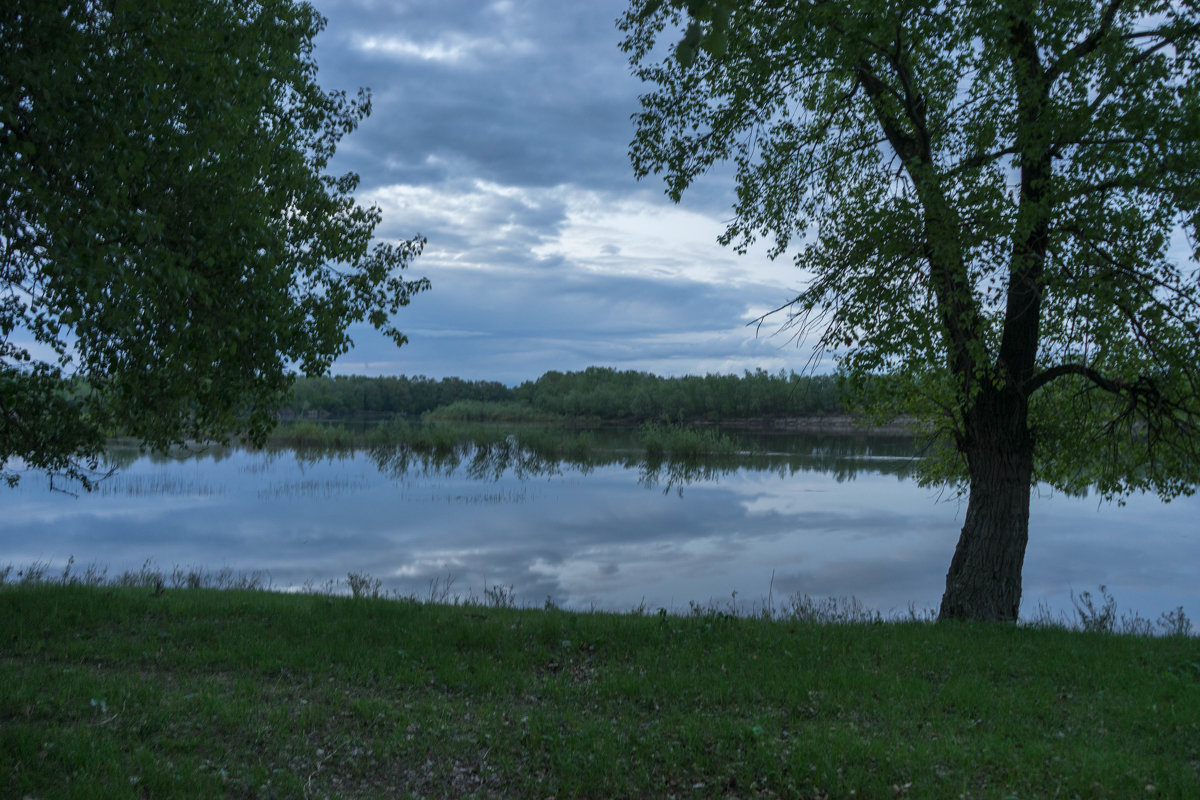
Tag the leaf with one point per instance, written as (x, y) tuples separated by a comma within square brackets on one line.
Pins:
[(180, 221)]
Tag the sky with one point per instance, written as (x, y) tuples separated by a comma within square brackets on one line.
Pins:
[(500, 132)]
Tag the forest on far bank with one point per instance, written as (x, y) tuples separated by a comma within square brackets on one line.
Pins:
[(598, 393)]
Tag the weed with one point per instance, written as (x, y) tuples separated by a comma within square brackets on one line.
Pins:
[(1095, 616), (681, 441), (1092, 614), (92, 575), (363, 585), (500, 596), (920, 614), (1175, 623), (828, 611), (147, 577), (439, 590), (34, 573), (1044, 618)]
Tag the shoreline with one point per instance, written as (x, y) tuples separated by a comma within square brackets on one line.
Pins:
[(817, 423), (839, 423)]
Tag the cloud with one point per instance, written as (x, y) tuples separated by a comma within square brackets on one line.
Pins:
[(529, 93), (532, 278), (453, 49), (474, 222), (470, 223), (636, 233), (499, 132), (515, 324)]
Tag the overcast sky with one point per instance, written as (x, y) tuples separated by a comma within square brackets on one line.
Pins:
[(500, 131)]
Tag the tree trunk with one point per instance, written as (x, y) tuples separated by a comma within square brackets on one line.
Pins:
[(984, 581)]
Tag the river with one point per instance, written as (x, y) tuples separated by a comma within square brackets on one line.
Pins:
[(823, 516)]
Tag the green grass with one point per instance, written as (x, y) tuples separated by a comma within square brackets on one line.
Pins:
[(128, 692), (492, 411), (681, 441)]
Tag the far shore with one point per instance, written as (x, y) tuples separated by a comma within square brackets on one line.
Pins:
[(816, 423), (823, 423)]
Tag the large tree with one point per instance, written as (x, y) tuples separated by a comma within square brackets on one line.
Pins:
[(172, 248), (995, 204)]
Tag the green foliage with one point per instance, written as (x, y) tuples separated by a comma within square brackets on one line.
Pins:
[(983, 197), (609, 394), (357, 395), (172, 247), (596, 393)]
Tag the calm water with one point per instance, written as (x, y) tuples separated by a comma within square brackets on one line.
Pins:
[(827, 517)]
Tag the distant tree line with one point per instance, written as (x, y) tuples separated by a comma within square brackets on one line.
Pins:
[(611, 394), (597, 392), (358, 395)]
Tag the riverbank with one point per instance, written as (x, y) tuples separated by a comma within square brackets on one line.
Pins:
[(570, 436), (145, 691), (823, 423), (511, 413)]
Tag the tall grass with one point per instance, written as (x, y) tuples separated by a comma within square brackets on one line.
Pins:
[(681, 441), (1090, 613), (483, 411)]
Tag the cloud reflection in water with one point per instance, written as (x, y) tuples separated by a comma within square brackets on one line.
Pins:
[(833, 521)]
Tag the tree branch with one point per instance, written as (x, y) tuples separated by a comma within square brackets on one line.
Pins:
[(1052, 374), (1086, 45), (981, 159)]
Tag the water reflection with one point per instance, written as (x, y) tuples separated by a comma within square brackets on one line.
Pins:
[(842, 458), (485, 462), (592, 526)]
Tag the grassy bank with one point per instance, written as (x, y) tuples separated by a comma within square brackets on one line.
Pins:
[(141, 692)]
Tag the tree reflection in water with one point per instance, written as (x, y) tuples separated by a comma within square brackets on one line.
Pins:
[(538, 455)]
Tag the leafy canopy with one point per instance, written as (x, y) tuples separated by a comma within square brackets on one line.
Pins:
[(171, 245), (984, 197)]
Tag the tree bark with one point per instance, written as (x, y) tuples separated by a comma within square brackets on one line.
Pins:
[(984, 581)]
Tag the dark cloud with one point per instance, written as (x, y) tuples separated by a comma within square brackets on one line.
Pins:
[(530, 93)]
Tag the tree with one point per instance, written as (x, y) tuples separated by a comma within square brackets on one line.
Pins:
[(171, 245), (990, 201)]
